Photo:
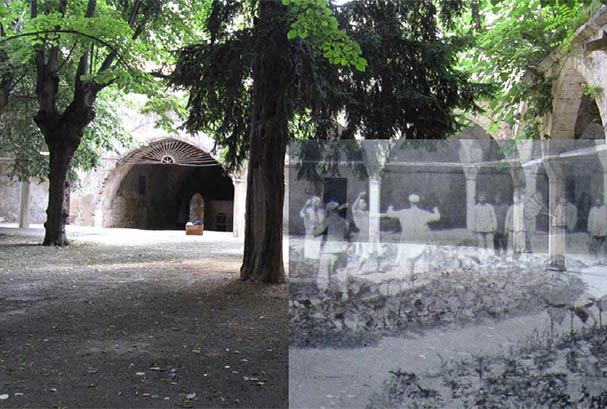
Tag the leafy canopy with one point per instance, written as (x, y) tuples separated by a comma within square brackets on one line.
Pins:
[(388, 68), (518, 35), (129, 46)]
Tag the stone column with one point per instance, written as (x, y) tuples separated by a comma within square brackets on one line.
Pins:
[(24, 211), (556, 234), (518, 216), (530, 171), (240, 203), (470, 172), (374, 208), (376, 155), (603, 159)]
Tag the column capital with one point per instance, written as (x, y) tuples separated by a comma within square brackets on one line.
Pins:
[(554, 169), (531, 167), (470, 172), (240, 173), (376, 154), (602, 155)]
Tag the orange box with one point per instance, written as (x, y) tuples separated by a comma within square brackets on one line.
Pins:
[(195, 230)]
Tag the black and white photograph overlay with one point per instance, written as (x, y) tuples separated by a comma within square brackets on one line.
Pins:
[(465, 272)]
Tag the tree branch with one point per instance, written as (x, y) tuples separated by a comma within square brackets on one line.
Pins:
[(68, 31), (54, 52), (39, 59), (83, 64), (111, 57)]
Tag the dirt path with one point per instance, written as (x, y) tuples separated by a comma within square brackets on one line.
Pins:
[(346, 378), (133, 319)]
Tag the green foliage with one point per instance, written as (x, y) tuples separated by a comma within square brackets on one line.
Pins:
[(20, 137), (128, 43), (591, 90), (518, 36), (106, 134), (412, 86), (388, 68), (315, 20), (217, 74)]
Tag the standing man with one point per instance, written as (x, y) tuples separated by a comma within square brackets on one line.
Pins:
[(500, 240), (516, 226), (414, 228), (360, 216), (333, 248), (485, 222), (597, 226), (571, 216)]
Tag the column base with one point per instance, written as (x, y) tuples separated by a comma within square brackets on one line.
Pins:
[(556, 266)]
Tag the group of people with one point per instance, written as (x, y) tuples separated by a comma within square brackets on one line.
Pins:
[(565, 219), (498, 225), (495, 225), (322, 222)]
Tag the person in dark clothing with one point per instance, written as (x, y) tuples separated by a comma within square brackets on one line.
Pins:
[(500, 239)]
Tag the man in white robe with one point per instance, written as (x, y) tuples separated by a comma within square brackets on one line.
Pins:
[(415, 231), (485, 223), (516, 226), (597, 226)]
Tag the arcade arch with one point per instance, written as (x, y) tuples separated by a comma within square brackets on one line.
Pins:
[(152, 187)]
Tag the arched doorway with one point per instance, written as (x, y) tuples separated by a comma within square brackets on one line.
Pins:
[(151, 188)]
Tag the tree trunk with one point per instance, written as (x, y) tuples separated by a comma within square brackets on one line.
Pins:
[(269, 136), (60, 161), (6, 80)]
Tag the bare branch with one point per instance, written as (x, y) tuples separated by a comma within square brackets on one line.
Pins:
[(40, 66), (83, 64), (54, 52), (34, 9), (69, 55), (109, 60)]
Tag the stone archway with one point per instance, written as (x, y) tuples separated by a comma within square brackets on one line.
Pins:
[(567, 98), (151, 187)]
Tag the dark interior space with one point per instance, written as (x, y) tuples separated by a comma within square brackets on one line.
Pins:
[(157, 197)]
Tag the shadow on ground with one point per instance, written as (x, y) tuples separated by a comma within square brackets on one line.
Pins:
[(137, 326)]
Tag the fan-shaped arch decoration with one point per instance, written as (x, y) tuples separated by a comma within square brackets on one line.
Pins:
[(170, 152)]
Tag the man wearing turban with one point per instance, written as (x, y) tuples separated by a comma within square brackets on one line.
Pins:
[(414, 229)]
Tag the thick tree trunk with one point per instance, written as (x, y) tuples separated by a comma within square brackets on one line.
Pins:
[(57, 212), (263, 260)]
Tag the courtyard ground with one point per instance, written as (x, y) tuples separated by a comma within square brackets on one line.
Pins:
[(130, 319)]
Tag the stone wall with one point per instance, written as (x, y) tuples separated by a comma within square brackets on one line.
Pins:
[(10, 197), (86, 194)]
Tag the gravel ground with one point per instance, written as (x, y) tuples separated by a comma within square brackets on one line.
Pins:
[(128, 318)]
